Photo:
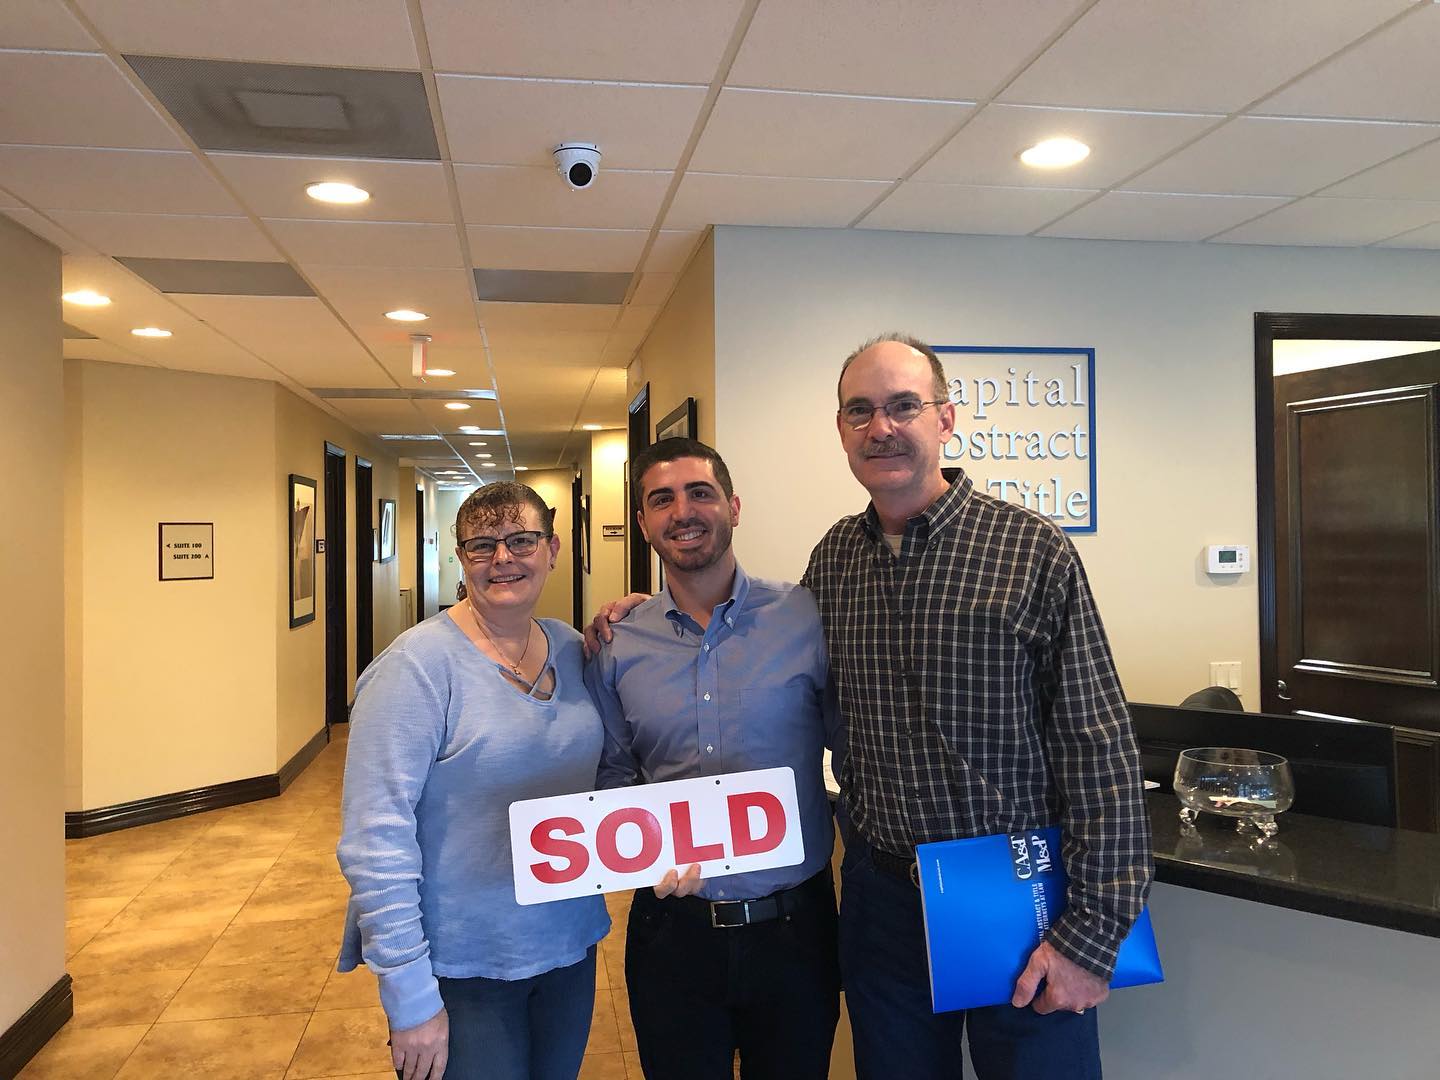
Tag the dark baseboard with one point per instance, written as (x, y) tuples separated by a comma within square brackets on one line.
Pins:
[(306, 754), (33, 1030), (105, 819)]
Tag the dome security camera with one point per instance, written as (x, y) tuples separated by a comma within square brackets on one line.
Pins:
[(578, 163)]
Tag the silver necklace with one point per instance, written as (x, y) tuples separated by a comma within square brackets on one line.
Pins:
[(514, 665)]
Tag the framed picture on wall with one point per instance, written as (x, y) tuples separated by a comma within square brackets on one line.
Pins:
[(387, 529), (678, 423), (302, 550)]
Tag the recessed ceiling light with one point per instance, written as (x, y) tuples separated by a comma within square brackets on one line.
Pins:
[(406, 315), (412, 438), (487, 464), (522, 468), (458, 406), (150, 331), (485, 457), (591, 427), (1055, 153), (439, 372), (479, 444), (331, 191), (85, 298), (470, 430)]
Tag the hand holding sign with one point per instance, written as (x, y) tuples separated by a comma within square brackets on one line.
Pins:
[(624, 838)]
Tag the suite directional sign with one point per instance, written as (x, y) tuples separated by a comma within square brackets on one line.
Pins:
[(187, 550)]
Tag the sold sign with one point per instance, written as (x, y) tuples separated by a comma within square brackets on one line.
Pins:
[(624, 838)]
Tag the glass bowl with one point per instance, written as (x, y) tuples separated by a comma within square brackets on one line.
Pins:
[(1248, 785)]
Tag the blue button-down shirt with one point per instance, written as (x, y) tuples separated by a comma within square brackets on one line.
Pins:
[(746, 692)]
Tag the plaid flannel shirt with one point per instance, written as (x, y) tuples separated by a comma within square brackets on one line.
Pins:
[(979, 696)]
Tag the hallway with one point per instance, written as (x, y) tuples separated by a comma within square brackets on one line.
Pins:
[(204, 948)]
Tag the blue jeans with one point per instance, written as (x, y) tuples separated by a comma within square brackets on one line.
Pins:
[(887, 990), (529, 1029)]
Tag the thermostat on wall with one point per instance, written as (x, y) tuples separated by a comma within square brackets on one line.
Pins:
[(1227, 559)]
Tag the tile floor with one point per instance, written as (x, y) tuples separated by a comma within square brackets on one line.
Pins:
[(205, 948)]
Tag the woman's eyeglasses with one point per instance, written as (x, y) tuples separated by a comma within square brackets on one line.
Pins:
[(519, 544)]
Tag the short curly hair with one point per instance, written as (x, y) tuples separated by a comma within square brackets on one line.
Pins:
[(489, 506)]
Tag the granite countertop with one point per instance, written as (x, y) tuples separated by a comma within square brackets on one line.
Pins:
[(1363, 873)]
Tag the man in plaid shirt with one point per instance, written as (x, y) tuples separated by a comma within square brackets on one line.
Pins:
[(979, 697)]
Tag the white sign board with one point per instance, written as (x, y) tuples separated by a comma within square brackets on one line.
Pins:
[(186, 550), (626, 838), (1025, 427)]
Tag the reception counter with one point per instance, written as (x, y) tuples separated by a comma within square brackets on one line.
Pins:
[(1315, 956)]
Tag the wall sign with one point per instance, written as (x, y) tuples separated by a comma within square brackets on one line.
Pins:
[(187, 550), (612, 532), (626, 838), (1025, 427)]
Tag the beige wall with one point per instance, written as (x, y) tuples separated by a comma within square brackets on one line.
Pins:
[(177, 677), (603, 480), (32, 643), (301, 432), (557, 599), (1173, 326), (678, 357), (447, 505)]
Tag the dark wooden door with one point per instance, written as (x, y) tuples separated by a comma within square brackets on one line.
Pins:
[(419, 555), (1357, 553), (637, 551), (364, 566), (337, 689)]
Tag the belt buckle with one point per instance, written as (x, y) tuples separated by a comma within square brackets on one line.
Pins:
[(915, 873), (745, 909)]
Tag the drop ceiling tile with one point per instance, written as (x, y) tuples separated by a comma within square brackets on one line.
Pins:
[(987, 149), (87, 102), (341, 33), (7, 200), (274, 187), (637, 318), (484, 414), (1191, 57), (367, 243), (1335, 222), (965, 208), (547, 317), (515, 195), (491, 121), (1256, 156), (526, 345), (1389, 77), (720, 199), (508, 247), (126, 181), (1427, 237), (1123, 215), (654, 288), (362, 295), (295, 335), (45, 228), (470, 363), (930, 49), (1414, 176), (784, 133), (169, 236), (672, 250), (651, 40), (41, 24)]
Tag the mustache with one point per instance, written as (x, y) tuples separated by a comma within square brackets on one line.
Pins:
[(885, 448)]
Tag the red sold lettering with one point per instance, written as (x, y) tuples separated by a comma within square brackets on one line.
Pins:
[(650, 839), (576, 856), (740, 806), (685, 850)]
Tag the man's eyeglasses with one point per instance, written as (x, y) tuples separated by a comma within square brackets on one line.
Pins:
[(859, 414), (519, 544)]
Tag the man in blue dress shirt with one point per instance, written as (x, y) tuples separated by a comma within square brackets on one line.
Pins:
[(720, 673)]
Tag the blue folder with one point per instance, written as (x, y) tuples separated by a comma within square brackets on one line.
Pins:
[(988, 902)]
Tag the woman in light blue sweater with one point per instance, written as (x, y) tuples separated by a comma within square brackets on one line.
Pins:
[(473, 709)]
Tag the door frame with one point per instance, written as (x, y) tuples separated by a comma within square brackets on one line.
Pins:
[(637, 551), (337, 616), (1271, 326), (364, 564)]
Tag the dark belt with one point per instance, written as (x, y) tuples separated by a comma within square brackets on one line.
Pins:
[(729, 914), (907, 869)]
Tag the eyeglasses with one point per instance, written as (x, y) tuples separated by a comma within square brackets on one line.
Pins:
[(519, 544), (859, 414)]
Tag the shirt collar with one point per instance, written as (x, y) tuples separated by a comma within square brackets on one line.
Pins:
[(726, 611), (938, 516)]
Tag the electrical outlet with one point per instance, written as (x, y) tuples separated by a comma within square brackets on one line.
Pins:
[(1225, 673)]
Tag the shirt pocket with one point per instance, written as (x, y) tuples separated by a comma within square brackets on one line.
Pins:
[(780, 725)]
